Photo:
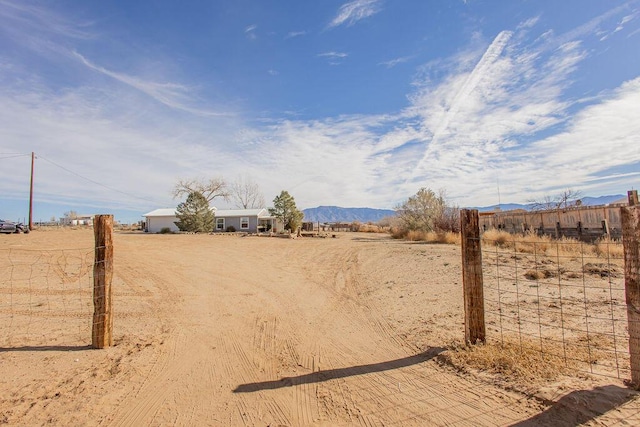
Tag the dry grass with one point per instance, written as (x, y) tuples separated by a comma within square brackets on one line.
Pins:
[(370, 228), (546, 245), (609, 248), (447, 238), (522, 361)]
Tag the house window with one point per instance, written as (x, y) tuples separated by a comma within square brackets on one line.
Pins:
[(244, 222), (220, 224)]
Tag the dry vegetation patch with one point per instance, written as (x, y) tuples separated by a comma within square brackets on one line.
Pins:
[(444, 237), (547, 245), (601, 269), (521, 362)]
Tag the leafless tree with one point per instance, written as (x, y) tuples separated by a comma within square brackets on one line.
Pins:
[(209, 188), (71, 215), (563, 200), (246, 194)]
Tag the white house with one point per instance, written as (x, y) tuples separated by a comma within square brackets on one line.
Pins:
[(247, 220), (161, 218)]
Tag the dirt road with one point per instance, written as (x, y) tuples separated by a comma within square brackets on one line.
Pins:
[(250, 331)]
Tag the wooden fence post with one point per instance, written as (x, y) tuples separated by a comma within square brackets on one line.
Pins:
[(102, 332), (630, 217), (474, 327)]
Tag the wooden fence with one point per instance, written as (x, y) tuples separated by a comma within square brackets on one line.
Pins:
[(586, 223), (475, 291)]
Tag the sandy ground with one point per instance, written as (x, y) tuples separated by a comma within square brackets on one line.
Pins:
[(252, 331)]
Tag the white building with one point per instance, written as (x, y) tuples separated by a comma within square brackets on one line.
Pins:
[(247, 220)]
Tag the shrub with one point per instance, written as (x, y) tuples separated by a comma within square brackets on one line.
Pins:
[(231, 229), (398, 232), (165, 230), (496, 237)]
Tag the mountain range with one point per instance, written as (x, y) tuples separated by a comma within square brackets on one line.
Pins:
[(339, 214), (585, 201)]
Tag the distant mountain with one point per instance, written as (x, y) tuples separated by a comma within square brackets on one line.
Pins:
[(503, 207), (603, 200), (338, 214), (586, 201)]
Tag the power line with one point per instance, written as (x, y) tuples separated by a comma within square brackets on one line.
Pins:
[(11, 155), (95, 182)]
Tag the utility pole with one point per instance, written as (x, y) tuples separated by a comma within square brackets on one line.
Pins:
[(33, 156)]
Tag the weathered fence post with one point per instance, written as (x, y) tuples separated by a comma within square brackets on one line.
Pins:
[(474, 327), (102, 333), (631, 242)]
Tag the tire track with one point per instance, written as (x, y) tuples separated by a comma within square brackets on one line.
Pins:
[(270, 409), (149, 397)]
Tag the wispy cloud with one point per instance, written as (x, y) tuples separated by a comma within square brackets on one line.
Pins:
[(621, 26), (293, 34), (354, 11), (333, 58), (20, 15), (592, 26), (625, 21), (250, 32), (333, 54), (133, 141), (172, 95), (463, 96), (393, 62), (508, 116)]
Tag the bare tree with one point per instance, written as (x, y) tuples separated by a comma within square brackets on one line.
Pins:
[(566, 199), (210, 189), (547, 203), (246, 194)]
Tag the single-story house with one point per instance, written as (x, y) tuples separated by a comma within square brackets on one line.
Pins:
[(247, 220)]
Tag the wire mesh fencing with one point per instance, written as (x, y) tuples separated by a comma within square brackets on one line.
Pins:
[(46, 297), (563, 298)]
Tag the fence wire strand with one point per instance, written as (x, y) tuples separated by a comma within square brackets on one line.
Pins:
[(563, 298), (46, 297)]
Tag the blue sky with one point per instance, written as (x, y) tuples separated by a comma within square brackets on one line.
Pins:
[(349, 103)]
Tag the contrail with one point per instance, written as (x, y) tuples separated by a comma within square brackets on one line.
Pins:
[(492, 53)]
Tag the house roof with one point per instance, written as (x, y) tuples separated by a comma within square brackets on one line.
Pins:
[(240, 212), (227, 213), (161, 212)]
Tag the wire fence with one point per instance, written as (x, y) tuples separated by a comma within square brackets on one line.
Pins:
[(46, 297), (563, 298)]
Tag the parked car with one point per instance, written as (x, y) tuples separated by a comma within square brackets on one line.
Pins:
[(12, 227)]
